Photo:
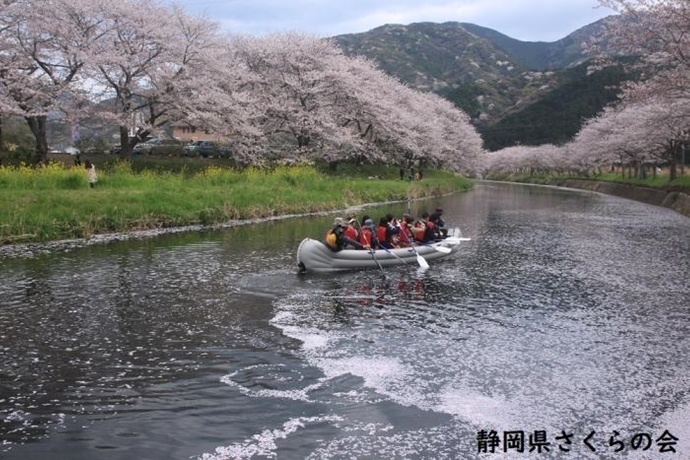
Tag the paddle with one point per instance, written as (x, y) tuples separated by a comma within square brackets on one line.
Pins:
[(395, 255), (420, 260), (372, 251), (456, 239), (442, 249)]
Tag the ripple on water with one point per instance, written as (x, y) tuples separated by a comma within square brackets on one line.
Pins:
[(537, 324), (560, 314)]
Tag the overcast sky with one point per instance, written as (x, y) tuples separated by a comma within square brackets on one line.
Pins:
[(528, 20)]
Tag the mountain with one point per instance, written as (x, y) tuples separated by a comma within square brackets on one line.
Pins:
[(542, 55), (446, 59), (557, 115), (499, 81)]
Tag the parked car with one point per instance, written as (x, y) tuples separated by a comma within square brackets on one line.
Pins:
[(225, 150), (143, 147), (72, 151), (200, 149), (206, 149), (158, 146)]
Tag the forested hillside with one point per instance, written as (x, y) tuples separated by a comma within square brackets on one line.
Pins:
[(558, 114), (515, 92)]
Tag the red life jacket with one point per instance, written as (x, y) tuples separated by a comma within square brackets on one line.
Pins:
[(419, 236), (365, 236), (351, 232), (405, 233), (429, 234), (381, 233)]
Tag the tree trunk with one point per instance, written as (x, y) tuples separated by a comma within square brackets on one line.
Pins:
[(125, 148), (672, 171), (673, 161), (128, 143), (303, 140), (37, 124)]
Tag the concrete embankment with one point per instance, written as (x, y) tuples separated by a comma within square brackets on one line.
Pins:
[(677, 200)]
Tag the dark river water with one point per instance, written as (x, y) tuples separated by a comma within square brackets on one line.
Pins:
[(562, 329)]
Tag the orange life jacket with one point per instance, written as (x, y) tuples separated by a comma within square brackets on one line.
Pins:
[(331, 239)]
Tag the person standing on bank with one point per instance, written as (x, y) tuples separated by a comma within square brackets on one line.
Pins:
[(90, 173)]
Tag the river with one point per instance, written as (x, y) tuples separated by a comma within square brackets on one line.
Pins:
[(561, 328)]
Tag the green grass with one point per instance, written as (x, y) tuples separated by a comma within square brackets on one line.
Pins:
[(661, 181), (56, 202)]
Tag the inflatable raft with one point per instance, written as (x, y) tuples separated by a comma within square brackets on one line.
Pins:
[(315, 256)]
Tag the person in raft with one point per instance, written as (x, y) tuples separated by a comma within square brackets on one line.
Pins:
[(351, 231), (425, 230), (387, 233), (439, 224), (367, 234), (337, 240)]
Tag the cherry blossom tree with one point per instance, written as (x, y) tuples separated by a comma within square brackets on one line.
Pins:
[(322, 104), (42, 57), (458, 145), (133, 66), (651, 123), (658, 32), (298, 94), (208, 87), (139, 64), (632, 136)]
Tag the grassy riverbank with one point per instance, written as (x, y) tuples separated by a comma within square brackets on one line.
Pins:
[(55, 202), (656, 190), (660, 181)]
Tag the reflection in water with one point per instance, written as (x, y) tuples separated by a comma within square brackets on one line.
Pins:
[(566, 311)]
